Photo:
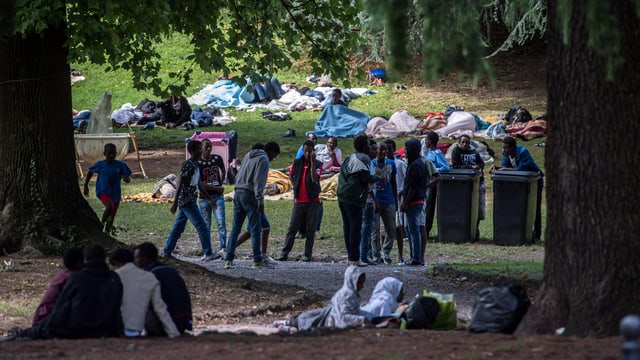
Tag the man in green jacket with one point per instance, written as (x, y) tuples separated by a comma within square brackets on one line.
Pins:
[(353, 184)]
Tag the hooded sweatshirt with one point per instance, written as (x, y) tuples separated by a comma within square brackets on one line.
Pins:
[(384, 299), (416, 172), (253, 173), (344, 309), (354, 179)]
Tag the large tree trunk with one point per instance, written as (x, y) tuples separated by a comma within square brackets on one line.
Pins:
[(591, 270), (40, 199)]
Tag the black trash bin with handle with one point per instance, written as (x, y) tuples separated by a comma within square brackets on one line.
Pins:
[(458, 197), (514, 206)]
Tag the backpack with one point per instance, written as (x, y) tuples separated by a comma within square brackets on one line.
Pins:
[(518, 114)]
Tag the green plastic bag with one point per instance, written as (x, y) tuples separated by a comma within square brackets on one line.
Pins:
[(447, 318)]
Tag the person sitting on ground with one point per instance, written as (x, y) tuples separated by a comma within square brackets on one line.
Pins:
[(385, 299), (73, 261), (141, 291), (463, 156), (335, 99), (172, 288), (88, 306), (330, 155), (342, 312), (175, 111), (518, 158), (305, 177)]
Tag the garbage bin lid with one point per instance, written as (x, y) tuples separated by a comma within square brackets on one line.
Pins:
[(508, 175), (460, 174)]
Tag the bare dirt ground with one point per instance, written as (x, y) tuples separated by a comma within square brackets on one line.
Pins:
[(244, 298)]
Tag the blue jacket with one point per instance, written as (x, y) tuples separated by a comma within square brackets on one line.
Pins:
[(524, 161)]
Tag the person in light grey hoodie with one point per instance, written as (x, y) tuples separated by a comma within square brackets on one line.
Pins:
[(342, 312), (248, 200)]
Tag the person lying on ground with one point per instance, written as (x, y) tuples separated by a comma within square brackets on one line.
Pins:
[(385, 299), (342, 312)]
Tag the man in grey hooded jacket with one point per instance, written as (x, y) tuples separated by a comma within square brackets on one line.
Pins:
[(248, 200)]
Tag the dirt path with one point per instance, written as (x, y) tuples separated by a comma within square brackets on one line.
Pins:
[(326, 278)]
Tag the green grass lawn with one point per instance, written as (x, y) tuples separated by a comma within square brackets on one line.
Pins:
[(137, 222)]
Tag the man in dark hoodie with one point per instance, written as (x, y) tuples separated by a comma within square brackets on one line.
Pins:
[(248, 201), (88, 306), (353, 189), (414, 197)]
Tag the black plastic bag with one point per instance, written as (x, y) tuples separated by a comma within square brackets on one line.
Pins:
[(499, 309), (421, 312)]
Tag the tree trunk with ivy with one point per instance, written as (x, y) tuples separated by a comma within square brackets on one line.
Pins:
[(591, 267), (40, 200)]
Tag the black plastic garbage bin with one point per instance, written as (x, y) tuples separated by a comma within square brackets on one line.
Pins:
[(458, 196), (514, 206)]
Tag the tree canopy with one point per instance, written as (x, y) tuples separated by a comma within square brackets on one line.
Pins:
[(237, 37)]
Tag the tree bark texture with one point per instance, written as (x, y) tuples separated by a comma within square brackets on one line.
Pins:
[(39, 194), (591, 269)]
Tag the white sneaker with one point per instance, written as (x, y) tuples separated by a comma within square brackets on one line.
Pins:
[(222, 253), (318, 236)]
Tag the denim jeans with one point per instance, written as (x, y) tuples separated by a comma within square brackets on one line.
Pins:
[(367, 227), (351, 227), (219, 215), (245, 205), (189, 212), (413, 214), (388, 216)]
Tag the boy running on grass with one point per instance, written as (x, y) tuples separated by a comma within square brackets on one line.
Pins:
[(108, 186)]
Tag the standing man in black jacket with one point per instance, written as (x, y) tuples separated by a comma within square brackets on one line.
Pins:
[(305, 177)]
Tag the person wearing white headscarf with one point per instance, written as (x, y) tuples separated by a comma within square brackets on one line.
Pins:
[(385, 298)]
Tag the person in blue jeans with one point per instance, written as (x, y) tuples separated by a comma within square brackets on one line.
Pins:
[(386, 190), (248, 200), (212, 175), (353, 190), (414, 198), (370, 210), (430, 151), (186, 204), (264, 235)]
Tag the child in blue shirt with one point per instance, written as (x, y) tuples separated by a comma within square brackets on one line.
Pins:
[(108, 186)]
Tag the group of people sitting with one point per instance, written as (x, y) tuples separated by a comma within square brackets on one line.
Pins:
[(87, 299)]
